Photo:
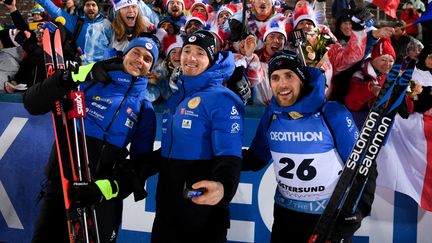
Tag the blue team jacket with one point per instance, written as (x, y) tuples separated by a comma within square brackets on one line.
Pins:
[(203, 118), (119, 113)]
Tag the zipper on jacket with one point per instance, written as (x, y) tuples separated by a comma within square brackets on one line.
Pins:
[(112, 121), (172, 120)]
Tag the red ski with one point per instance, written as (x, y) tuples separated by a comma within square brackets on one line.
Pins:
[(73, 158)]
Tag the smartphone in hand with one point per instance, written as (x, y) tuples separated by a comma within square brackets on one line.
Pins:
[(189, 193)]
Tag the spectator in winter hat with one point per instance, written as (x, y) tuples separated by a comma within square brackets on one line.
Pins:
[(105, 39), (170, 68), (275, 38), (38, 13), (200, 6), (175, 8), (304, 19), (169, 26), (383, 56), (365, 83), (7, 38), (175, 11), (262, 11), (224, 12), (194, 23)]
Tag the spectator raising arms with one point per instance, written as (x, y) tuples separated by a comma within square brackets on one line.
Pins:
[(76, 24), (104, 39)]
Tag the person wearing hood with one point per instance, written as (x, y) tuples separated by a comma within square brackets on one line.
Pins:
[(300, 129), (117, 114), (175, 11), (423, 76), (78, 23), (200, 157)]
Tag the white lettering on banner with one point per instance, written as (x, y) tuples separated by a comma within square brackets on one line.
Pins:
[(8, 211), (296, 136), (11, 132)]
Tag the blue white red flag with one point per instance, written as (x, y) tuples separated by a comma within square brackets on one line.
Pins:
[(405, 162)]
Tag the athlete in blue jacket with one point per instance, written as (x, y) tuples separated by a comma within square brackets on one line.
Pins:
[(308, 140), (202, 130), (117, 114)]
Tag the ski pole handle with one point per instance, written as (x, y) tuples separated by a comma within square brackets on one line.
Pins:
[(78, 105)]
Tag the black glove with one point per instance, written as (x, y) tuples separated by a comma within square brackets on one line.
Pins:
[(239, 84), (362, 18), (346, 226), (94, 72), (83, 194), (22, 36), (403, 110)]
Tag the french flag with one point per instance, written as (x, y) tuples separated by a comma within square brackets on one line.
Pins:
[(388, 6), (405, 161)]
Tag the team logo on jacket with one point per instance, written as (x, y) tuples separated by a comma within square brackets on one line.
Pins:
[(193, 103), (129, 123), (295, 115), (98, 98), (235, 128), (234, 113), (187, 124)]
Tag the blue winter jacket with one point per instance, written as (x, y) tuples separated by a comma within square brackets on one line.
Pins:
[(119, 113), (71, 20), (205, 115)]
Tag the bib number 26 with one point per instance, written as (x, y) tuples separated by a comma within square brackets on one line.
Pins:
[(305, 171)]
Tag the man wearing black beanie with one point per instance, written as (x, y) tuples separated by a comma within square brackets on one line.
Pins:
[(287, 64), (308, 139)]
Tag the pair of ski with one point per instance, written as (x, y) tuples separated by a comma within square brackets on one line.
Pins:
[(373, 134), (82, 222)]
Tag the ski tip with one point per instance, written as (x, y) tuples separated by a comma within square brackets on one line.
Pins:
[(313, 238)]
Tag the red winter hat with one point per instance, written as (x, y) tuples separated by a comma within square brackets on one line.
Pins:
[(383, 47)]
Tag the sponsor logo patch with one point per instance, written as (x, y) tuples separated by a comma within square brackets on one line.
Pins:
[(187, 124), (193, 103)]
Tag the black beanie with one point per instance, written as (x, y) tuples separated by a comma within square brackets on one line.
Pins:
[(5, 38), (205, 40), (287, 60)]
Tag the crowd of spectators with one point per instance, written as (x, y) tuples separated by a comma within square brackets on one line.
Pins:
[(349, 52)]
